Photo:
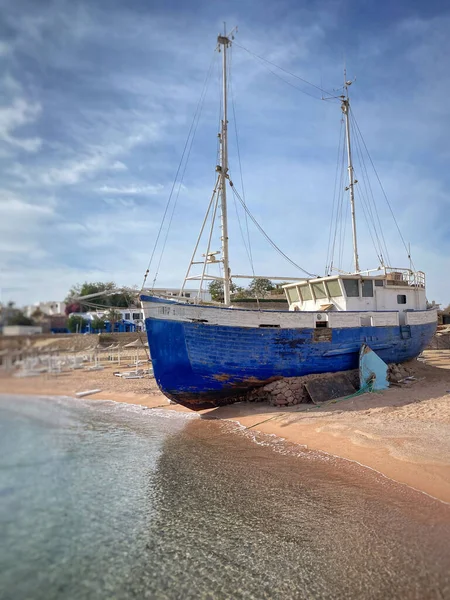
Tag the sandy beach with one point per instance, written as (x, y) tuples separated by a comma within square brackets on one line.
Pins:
[(403, 433)]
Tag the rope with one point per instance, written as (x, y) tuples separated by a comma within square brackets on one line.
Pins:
[(384, 193), (247, 246), (200, 102), (383, 250), (334, 205), (271, 242), (198, 114), (264, 60), (249, 251), (340, 204)]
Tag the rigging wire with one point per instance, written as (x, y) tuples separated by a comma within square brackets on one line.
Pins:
[(271, 242), (248, 246), (369, 219), (180, 183), (334, 205), (367, 196), (343, 233), (366, 205), (340, 201), (265, 60), (200, 102), (384, 193)]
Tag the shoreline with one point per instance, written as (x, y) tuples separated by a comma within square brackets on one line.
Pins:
[(402, 433)]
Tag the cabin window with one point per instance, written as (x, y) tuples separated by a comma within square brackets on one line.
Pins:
[(293, 295), (401, 299), (378, 283), (351, 288), (136, 316), (334, 289), (305, 292), (126, 316), (367, 288), (319, 290)]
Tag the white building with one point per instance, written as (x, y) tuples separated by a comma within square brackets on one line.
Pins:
[(135, 315), (174, 292), (47, 308)]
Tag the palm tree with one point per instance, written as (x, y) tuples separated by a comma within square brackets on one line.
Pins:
[(113, 316)]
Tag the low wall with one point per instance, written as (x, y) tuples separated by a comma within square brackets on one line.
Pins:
[(64, 341)]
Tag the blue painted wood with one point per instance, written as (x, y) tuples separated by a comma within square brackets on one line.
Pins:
[(201, 365)]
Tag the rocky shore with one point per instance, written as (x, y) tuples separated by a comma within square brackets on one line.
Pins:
[(296, 390)]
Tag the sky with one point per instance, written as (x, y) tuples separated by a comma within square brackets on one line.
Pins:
[(97, 99)]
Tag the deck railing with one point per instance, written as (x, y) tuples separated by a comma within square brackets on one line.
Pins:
[(396, 276)]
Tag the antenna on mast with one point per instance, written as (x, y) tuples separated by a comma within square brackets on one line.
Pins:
[(345, 106)]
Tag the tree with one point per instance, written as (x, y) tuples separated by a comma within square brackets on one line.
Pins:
[(72, 307), (122, 298), (260, 288), (216, 289), (239, 293), (37, 314), (113, 316), (97, 323), (18, 318), (76, 324)]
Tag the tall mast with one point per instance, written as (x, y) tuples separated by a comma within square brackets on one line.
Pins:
[(224, 41), (345, 105)]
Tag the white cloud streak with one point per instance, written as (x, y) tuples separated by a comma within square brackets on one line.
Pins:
[(102, 126)]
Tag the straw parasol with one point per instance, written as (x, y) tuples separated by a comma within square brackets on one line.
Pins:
[(138, 345)]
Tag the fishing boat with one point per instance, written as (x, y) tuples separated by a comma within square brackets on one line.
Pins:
[(207, 355)]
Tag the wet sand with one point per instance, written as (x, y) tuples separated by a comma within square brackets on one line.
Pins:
[(403, 433)]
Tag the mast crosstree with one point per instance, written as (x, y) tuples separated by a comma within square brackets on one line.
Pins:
[(220, 194), (220, 190)]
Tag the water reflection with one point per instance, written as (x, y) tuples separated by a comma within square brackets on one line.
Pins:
[(243, 518), (102, 500)]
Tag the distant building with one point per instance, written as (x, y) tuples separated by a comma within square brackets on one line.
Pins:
[(47, 308), (131, 319), (174, 292)]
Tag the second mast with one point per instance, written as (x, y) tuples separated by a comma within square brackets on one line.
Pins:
[(224, 42), (345, 105)]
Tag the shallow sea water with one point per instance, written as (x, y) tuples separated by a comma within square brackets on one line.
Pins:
[(104, 500)]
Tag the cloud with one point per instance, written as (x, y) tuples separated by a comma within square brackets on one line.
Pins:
[(132, 190), (15, 116), (74, 171), (4, 48), (96, 104)]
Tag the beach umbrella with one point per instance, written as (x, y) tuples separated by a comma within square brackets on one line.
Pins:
[(116, 347), (138, 345)]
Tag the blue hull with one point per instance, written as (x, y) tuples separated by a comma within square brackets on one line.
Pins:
[(203, 366)]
